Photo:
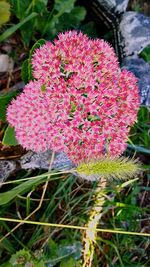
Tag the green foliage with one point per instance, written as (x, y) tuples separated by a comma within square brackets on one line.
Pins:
[(137, 7), (26, 70), (139, 149), (9, 134), (64, 6), (139, 134), (5, 99), (9, 138), (8, 196), (145, 54), (14, 28), (69, 201), (6, 264), (35, 46), (69, 263), (63, 15), (65, 253), (65, 21), (23, 258), (4, 12), (90, 29)]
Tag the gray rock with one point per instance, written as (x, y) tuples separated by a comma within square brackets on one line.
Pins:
[(114, 5), (141, 69), (121, 5), (17, 86), (6, 169), (135, 30), (6, 63), (34, 160), (62, 162), (111, 4)]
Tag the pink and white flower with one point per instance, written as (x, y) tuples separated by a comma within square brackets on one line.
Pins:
[(88, 103)]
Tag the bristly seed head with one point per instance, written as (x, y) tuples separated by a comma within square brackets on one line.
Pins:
[(109, 168)]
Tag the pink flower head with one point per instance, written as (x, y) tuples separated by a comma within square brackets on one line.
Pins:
[(80, 102)]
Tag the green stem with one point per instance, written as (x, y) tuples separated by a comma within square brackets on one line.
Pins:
[(91, 232)]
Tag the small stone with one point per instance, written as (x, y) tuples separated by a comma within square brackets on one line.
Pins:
[(6, 63), (6, 169), (34, 160), (17, 86)]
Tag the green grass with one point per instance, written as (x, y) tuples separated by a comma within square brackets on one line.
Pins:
[(68, 200)]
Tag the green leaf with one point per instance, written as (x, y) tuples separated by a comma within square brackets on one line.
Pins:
[(6, 244), (145, 54), (53, 247), (64, 252), (77, 14), (6, 197), (89, 29), (127, 183), (52, 28), (19, 8), (40, 7), (7, 264), (4, 101), (28, 35), (20, 258), (39, 263), (14, 28), (64, 21), (93, 118), (24, 71), (43, 88), (4, 12), (69, 263), (9, 138), (70, 20), (39, 43), (64, 5), (63, 17)]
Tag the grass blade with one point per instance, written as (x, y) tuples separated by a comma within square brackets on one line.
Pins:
[(14, 28), (139, 149), (76, 227), (20, 189)]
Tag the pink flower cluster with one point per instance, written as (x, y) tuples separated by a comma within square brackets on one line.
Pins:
[(80, 102)]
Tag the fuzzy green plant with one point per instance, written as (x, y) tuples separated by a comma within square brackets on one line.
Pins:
[(102, 169), (109, 168)]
